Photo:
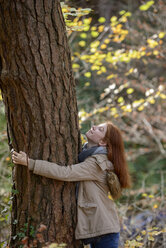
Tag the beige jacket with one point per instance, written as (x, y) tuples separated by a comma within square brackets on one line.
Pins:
[(96, 213)]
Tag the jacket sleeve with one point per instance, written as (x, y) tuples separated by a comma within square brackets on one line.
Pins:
[(87, 170)]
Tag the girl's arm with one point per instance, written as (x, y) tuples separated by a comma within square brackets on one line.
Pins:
[(87, 170)]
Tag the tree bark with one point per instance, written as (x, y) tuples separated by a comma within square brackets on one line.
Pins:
[(39, 95)]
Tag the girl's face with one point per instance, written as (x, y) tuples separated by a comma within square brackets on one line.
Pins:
[(96, 134)]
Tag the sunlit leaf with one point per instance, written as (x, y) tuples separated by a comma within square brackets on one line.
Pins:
[(87, 21), (103, 69), (152, 43), (101, 19), (94, 34), (156, 52), (128, 14), (93, 28), (120, 99), (103, 46), (113, 19), (163, 96), (150, 238), (83, 35), (161, 35), (122, 12), (75, 66), (95, 67), (146, 6), (143, 232), (141, 108), (95, 44), (123, 19), (107, 41), (139, 238), (130, 90), (111, 76), (87, 74), (82, 43), (87, 84), (101, 28)]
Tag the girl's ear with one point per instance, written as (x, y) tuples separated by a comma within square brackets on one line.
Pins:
[(102, 143)]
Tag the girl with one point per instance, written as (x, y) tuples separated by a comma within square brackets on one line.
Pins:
[(97, 219)]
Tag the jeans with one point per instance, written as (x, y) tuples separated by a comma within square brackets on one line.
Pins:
[(110, 240)]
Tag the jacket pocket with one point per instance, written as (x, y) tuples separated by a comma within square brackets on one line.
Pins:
[(88, 208), (87, 204)]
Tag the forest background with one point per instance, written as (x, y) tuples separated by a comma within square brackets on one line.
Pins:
[(118, 54)]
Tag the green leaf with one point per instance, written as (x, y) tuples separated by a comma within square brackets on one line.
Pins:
[(101, 19), (146, 6)]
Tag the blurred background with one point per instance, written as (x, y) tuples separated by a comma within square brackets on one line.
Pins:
[(119, 63)]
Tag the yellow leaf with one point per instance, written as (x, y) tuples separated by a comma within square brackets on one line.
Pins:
[(87, 74), (93, 50), (152, 43), (146, 6), (150, 238), (143, 232), (83, 140), (87, 20), (101, 28), (107, 41), (144, 194), (103, 46), (99, 72), (128, 13), (155, 206), (84, 57), (122, 12), (113, 19), (113, 110), (75, 66), (64, 10), (120, 99), (109, 196), (155, 52), (83, 35), (95, 67), (79, 23), (163, 96), (151, 196), (86, 28), (87, 84), (101, 19), (130, 91), (139, 238), (103, 69), (123, 19), (129, 72), (95, 44), (111, 76), (94, 34), (82, 43), (161, 35), (93, 28), (141, 108)]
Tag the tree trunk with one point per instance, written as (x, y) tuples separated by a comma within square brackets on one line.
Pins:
[(39, 95)]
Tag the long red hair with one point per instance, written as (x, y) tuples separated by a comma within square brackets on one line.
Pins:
[(116, 154)]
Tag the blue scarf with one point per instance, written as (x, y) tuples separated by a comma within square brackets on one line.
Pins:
[(87, 152)]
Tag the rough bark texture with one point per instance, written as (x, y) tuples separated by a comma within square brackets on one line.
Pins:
[(39, 94)]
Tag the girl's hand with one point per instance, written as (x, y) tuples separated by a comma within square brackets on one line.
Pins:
[(19, 158)]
